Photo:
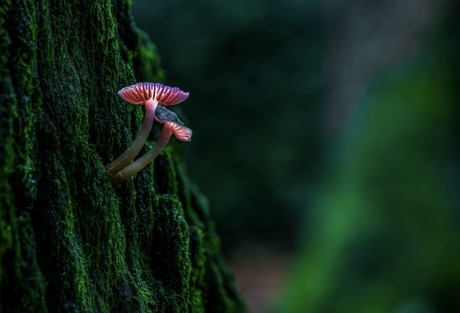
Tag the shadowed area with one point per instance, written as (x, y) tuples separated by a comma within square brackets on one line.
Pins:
[(326, 138)]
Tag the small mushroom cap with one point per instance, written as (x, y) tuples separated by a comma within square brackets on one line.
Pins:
[(181, 132), (169, 119), (141, 92)]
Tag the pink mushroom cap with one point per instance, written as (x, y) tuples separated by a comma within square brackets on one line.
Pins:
[(139, 93), (169, 119), (181, 132)]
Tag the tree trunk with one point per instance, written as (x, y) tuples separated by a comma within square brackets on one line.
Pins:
[(70, 240)]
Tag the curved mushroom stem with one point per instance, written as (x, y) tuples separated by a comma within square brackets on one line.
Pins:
[(126, 157), (144, 160)]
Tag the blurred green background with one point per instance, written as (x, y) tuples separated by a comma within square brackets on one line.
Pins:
[(326, 140)]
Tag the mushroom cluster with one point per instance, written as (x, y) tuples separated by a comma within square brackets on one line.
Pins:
[(154, 96)]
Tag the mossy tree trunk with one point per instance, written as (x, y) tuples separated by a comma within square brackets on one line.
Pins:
[(70, 240)]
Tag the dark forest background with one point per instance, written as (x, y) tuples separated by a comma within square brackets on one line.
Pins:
[(254, 70), (326, 141)]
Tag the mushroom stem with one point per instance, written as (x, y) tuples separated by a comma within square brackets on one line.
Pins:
[(126, 157), (144, 160)]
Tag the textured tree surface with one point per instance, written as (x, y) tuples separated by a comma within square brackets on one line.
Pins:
[(70, 241)]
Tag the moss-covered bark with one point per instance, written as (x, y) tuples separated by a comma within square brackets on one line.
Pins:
[(69, 240)]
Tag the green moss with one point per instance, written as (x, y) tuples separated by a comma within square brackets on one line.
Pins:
[(70, 240)]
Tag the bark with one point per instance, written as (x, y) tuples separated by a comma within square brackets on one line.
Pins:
[(70, 241)]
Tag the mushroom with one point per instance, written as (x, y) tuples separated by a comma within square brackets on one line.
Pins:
[(171, 125), (150, 94)]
